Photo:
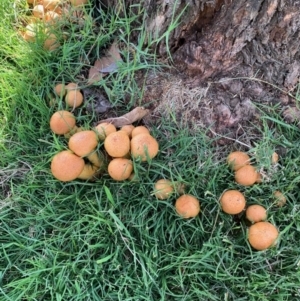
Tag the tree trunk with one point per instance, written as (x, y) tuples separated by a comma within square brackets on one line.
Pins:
[(221, 39)]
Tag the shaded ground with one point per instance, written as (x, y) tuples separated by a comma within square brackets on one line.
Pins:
[(229, 109)]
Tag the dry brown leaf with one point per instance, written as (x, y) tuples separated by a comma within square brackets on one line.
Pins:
[(110, 59), (129, 118)]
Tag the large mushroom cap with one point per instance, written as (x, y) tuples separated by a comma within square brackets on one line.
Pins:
[(144, 146), (103, 129), (246, 175), (256, 213), (62, 122), (187, 206), (83, 143), (74, 98), (66, 166), (117, 144), (232, 202), (262, 235), (120, 169), (238, 159)]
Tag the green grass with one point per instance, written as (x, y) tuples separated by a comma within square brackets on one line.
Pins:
[(115, 241)]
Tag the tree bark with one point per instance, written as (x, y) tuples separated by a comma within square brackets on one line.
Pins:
[(222, 39)]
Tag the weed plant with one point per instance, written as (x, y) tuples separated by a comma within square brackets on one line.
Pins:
[(108, 240)]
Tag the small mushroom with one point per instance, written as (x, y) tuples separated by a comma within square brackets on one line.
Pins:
[(120, 169), (246, 175), (83, 143), (256, 213), (262, 235), (163, 188), (232, 201), (74, 98), (144, 146), (117, 144), (187, 206), (62, 122), (238, 159)]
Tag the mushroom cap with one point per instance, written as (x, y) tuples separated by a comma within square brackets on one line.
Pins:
[(238, 159), (60, 89), (117, 144), (246, 175), (232, 202), (280, 198), (72, 86), (128, 128), (62, 122), (262, 235), (50, 4), (95, 159), (30, 33), (259, 178), (83, 143), (144, 146), (74, 98), (104, 129), (275, 158), (66, 166), (163, 188), (38, 11), (120, 169), (256, 213), (89, 172), (51, 42), (139, 130), (187, 206), (78, 2)]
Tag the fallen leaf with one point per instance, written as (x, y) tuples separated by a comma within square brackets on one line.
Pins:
[(129, 118), (105, 64)]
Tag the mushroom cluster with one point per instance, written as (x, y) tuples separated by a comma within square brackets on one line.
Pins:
[(46, 18), (93, 149), (261, 233)]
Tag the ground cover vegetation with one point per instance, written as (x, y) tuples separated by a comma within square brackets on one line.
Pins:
[(108, 240)]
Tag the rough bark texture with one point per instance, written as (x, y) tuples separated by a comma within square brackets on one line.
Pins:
[(223, 39)]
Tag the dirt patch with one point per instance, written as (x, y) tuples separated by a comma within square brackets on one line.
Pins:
[(230, 109)]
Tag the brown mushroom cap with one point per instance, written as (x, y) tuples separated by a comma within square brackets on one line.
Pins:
[(62, 122), (60, 89), (104, 129), (51, 42), (246, 175), (71, 86), (139, 130), (238, 159), (83, 143), (256, 213), (128, 129), (96, 160), (50, 4), (262, 235), (38, 11), (163, 189), (275, 158), (232, 202), (187, 206), (280, 198), (74, 98), (144, 146), (66, 166), (78, 2), (120, 169), (117, 144), (89, 172)]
